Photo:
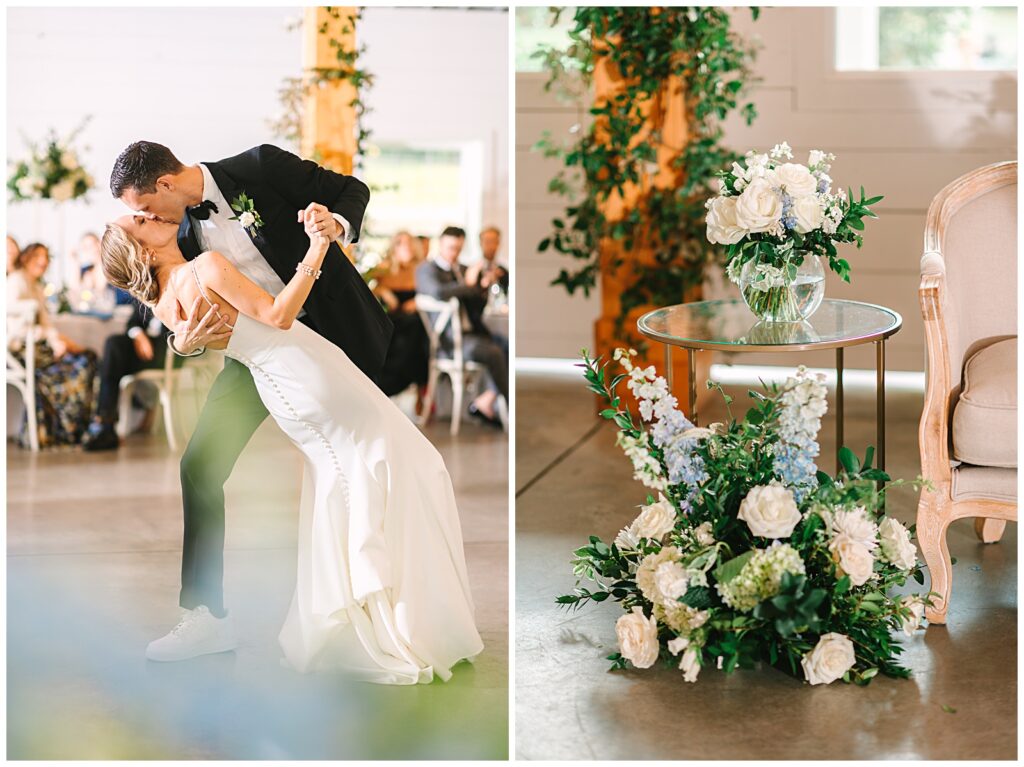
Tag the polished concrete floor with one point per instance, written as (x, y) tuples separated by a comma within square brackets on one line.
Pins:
[(94, 551), (571, 481)]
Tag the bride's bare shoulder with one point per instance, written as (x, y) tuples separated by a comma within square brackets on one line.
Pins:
[(211, 263)]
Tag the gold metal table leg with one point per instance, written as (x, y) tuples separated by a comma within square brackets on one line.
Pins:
[(880, 403), (668, 366), (691, 356), (839, 405)]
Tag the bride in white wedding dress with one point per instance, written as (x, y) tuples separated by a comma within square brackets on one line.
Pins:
[(382, 590)]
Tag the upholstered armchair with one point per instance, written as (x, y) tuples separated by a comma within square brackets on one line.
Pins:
[(968, 430)]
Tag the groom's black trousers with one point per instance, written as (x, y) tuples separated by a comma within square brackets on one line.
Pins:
[(231, 415)]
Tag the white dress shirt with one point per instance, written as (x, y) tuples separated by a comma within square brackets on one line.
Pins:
[(220, 233)]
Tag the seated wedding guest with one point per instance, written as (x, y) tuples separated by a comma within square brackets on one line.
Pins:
[(408, 357), (442, 277), (142, 346), (90, 275), (64, 370), (13, 251), (487, 271)]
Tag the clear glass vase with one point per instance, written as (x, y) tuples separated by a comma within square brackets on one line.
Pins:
[(791, 301)]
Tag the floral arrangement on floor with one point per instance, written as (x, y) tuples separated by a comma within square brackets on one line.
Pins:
[(772, 216), (749, 553), (51, 172)]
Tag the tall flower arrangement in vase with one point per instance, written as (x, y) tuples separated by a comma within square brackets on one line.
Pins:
[(52, 171), (744, 551), (776, 219)]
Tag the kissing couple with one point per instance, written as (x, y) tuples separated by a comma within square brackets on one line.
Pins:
[(242, 257)]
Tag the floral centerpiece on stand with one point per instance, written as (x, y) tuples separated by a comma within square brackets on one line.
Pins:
[(747, 552), (52, 171), (776, 220)]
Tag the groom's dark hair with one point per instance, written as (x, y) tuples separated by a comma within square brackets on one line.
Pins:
[(454, 231), (140, 165)]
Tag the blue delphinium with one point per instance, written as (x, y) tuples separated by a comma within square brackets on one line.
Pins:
[(803, 404)]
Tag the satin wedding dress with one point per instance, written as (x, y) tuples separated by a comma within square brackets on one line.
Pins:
[(382, 591)]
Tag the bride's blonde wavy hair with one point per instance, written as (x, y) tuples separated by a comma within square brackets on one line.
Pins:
[(125, 265)]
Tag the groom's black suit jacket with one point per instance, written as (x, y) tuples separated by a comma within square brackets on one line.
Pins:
[(340, 306)]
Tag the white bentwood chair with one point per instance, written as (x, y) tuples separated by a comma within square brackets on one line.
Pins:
[(21, 315), (437, 315)]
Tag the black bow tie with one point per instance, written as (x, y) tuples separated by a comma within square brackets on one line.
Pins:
[(201, 212)]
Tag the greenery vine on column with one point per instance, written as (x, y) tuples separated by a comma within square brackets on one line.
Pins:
[(647, 46), (294, 89)]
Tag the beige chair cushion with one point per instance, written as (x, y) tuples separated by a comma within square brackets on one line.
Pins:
[(982, 483), (985, 416)]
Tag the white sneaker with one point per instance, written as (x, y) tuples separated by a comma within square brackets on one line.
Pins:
[(197, 633)]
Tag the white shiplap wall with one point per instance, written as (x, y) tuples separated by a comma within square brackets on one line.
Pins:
[(902, 135)]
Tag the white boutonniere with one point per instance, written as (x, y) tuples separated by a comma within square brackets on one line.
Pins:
[(247, 216)]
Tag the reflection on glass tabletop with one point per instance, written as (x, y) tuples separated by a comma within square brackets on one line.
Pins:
[(730, 325)]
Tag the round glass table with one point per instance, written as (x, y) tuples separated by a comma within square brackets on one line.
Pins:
[(728, 325)]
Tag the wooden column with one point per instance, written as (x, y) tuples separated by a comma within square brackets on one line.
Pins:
[(667, 117), (329, 122)]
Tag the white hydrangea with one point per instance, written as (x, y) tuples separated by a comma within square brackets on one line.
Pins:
[(760, 577), (681, 618)]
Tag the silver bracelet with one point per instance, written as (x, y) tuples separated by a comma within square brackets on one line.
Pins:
[(308, 270), (196, 353)]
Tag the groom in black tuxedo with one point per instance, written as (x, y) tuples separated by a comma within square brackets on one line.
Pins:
[(255, 208)]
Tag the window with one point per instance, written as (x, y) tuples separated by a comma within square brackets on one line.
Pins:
[(947, 38), (421, 189)]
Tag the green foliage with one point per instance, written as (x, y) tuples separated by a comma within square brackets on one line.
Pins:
[(648, 46), (52, 171), (788, 622), (293, 90)]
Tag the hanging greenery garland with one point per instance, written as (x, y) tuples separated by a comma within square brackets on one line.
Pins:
[(650, 48)]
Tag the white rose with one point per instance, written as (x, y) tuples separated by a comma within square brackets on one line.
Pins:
[(770, 511), (854, 559), (759, 207), (722, 226), (69, 160), (829, 660), (638, 638), (897, 547), (809, 213), (855, 524), (63, 190), (26, 186), (703, 534), (670, 579), (247, 219), (796, 179), (655, 520)]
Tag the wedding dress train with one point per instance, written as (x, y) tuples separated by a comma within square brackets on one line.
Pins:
[(382, 590)]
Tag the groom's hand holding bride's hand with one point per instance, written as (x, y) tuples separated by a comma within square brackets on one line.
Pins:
[(191, 334), (318, 220)]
